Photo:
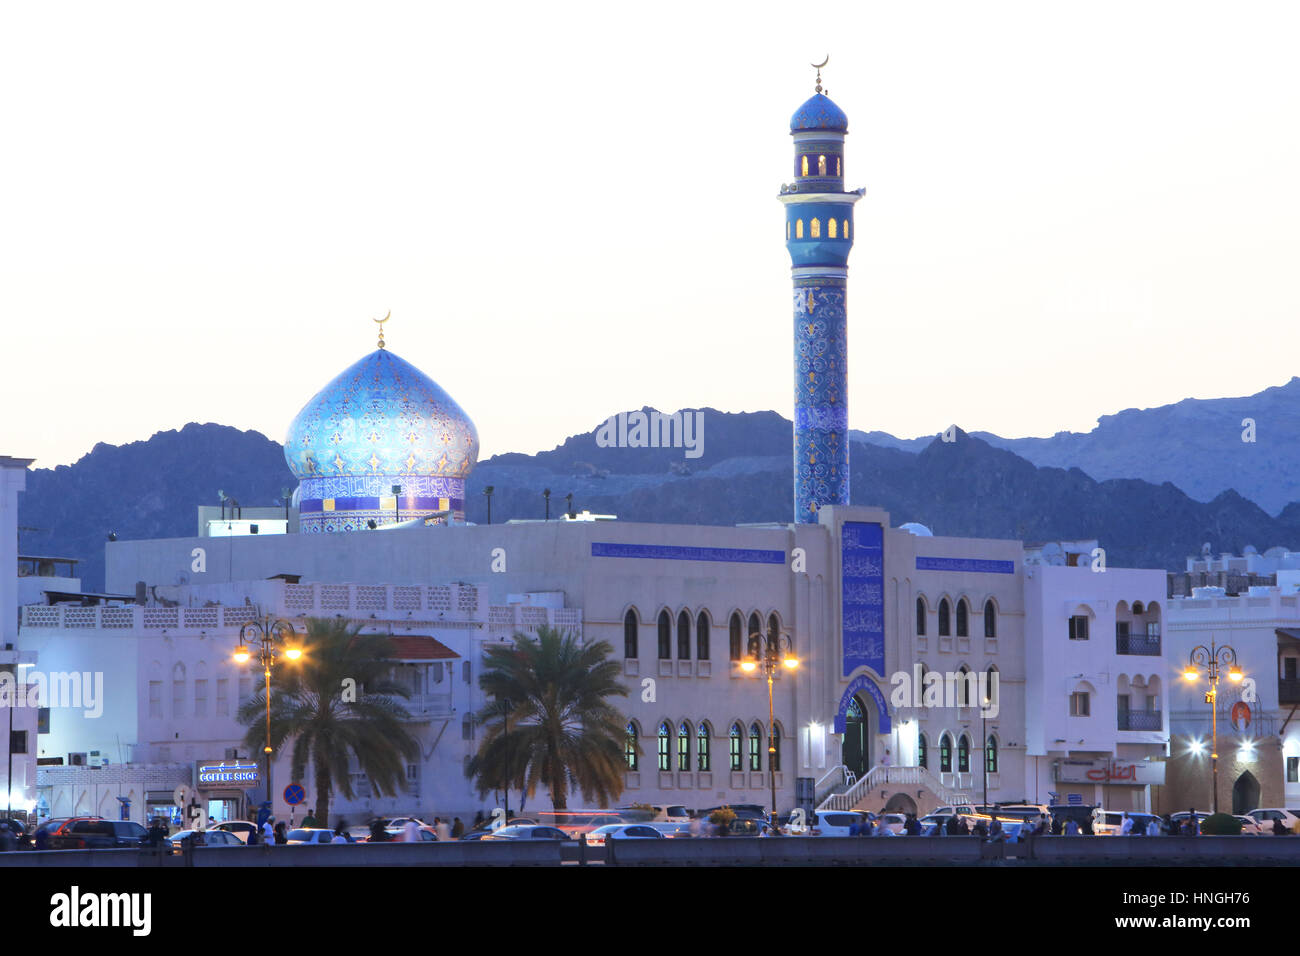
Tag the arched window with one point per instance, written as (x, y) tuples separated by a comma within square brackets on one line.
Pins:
[(735, 744), (755, 747), (736, 633), (990, 619), (629, 634), (684, 747), (665, 734), (846, 228), (787, 228), (803, 165), (773, 629), (832, 228), (702, 738), (631, 749), (991, 755), (815, 228), (702, 636), (920, 617), (945, 622), (755, 633), (963, 619), (774, 753), (964, 695), (665, 636), (945, 754), (837, 167), (991, 687), (821, 165), (922, 751), (798, 228), (963, 754), (683, 636)]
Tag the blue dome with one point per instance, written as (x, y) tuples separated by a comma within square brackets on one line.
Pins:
[(819, 112), (381, 417)]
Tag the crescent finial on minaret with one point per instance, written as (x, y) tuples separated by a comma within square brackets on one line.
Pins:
[(380, 323), (818, 68)]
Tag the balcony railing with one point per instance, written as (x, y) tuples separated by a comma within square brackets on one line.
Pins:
[(1288, 690), (1143, 645), (1140, 720)]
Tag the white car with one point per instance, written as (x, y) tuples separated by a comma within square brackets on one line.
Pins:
[(1266, 815), (208, 838), (830, 823), (623, 831), (661, 813), (240, 828), (303, 835)]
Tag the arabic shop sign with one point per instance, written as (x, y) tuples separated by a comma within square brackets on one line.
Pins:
[(229, 773), (1134, 772)]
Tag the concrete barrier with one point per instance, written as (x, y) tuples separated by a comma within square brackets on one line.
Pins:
[(453, 853)]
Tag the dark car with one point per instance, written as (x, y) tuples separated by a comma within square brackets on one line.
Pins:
[(99, 834), (22, 839)]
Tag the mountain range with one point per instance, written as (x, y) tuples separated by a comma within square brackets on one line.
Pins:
[(1135, 501)]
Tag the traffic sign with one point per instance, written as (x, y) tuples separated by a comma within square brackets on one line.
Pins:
[(182, 795), (294, 794)]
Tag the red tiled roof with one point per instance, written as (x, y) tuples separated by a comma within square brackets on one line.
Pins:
[(418, 647)]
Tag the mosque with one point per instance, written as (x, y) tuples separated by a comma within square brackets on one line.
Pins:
[(873, 614)]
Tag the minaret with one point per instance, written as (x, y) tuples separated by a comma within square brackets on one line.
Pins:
[(819, 234)]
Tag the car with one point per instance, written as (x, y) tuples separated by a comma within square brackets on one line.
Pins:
[(1249, 827), (22, 839), (1264, 816), (622, 831), (580, 821), (477, 835), (528, 832), (829, 823), (96, 833), (1111, 822), (176, 842), (894, 821), (304, 835), (240, 828), (659, 813), (677, 831)]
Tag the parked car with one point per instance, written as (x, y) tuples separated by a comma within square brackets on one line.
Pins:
[(678, 831), (1266, 815), (1111, 822), (829, 823), (22, 839), (1249, 827), (309, 835), (575, 822), (623, 831), (99, 834), (518, 832), (240, 828), (657, 813), (175, 843)]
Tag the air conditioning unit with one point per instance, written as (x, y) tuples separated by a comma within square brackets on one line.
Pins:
[(76, 760)]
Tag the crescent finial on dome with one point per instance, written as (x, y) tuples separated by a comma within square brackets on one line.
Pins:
[(380, 323)]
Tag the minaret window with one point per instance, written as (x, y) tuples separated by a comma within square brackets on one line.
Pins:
[(798, 228), (837, 167), (846, 228), (803, 165), (815, 229), (832, 228), (821, 165), (787, 228)]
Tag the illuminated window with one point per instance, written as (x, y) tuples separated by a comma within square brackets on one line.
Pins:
[(702, 748), (815, 229), (664, 732), (837, 167), (963, 754), (803, 165), (798, 228), (736, 734), (922, 751), (755, 747), (684, 747), (991, 755), (631, 750), (821, 165), (945, 754), (846, 228), (832, 228)]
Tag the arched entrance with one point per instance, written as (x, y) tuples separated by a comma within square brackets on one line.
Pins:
[(856, 750), (1245, 793), (900, 803)]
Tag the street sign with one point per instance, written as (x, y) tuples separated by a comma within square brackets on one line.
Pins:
[(182, 795), (1074, 799), (294, 794)]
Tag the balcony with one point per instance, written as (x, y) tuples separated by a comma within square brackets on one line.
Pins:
[(1140, 720), (1288, 690), (1141, 645)]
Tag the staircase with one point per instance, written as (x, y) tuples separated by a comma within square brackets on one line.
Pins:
[(865, 794)]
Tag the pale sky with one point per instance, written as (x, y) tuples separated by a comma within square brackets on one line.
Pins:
[(1071, 209)]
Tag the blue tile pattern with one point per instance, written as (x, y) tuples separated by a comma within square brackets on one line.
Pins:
[(980, 565), (862, 595), (671, 552), (821, 413), (819, 112)]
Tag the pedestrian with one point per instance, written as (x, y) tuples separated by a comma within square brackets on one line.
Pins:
[(1279, 828), (979, 830), (340, 835), (157, 833), (1126, 825), (268, 832), (1153, 827), (479, 820), (995, 831), (1071, 827), (411, 832), (952, 828), (443, 830), (963, 826), (457, 828), (377, 832), (281, 837), (253, 837), (309, 821)]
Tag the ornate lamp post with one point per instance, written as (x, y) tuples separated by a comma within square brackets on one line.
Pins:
[(770, 653), (266, 633), (1211, 659)]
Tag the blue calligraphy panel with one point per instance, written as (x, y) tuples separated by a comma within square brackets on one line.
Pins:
[(965, 564), (862, 595)]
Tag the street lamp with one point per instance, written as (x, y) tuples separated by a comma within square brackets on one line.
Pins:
[(266, 633), (487, 493), (1211, 659), (770, 653)]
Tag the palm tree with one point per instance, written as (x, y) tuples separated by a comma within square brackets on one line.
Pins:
[(312, 706), (563, 732)]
